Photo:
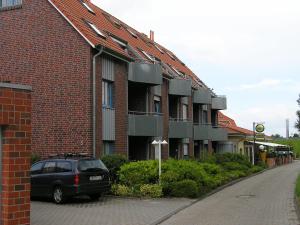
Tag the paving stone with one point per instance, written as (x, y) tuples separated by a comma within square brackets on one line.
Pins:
[(265, 199)]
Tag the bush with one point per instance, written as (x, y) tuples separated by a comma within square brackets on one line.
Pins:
[(121, 190), (185, 188), (256, 169), (114, 163), (35, 158), (139, 173), (211, 169), (230, 157), (235, 166), (151, 190)]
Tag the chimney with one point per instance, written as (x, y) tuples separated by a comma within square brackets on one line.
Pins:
[(152, 35)]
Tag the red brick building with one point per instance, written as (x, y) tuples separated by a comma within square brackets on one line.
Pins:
[(102, 87), (15, 149)]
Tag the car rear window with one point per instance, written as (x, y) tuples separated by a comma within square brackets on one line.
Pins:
[(91, 165), (49, 167), (64, 167)]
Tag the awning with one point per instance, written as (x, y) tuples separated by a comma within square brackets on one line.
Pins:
[(274, 145)]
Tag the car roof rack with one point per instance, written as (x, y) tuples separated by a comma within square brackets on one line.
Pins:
[(70, 155)]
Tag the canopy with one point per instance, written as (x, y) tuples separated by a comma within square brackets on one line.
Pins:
[(274, 145)]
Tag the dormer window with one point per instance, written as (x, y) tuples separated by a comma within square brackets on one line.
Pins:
[(132, 33), (99, 32), (120, 42), (172, 56), (148, 56), (159, 49), (10, 3), (88, 7)]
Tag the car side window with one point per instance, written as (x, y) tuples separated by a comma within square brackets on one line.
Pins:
[(36, 168), (49, 167), (64, 167)]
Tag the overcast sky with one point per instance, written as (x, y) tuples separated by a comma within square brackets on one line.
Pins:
[(246, 50)]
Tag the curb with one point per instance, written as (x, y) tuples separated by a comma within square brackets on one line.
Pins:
[(168, 216)]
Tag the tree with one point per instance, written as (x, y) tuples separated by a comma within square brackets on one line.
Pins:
[(297, 125)]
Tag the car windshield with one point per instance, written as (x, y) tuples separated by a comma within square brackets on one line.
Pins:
[(91, 165)]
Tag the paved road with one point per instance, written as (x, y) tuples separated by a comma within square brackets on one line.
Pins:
[(265, 199), (106, 211)]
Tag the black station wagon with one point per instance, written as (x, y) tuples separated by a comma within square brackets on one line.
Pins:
[(61, 178)]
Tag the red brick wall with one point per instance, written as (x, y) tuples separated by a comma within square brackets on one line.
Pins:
[(40, 48), (121, 90), (15, 121)]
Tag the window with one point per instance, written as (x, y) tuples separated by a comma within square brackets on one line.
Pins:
[(184, 112), (204, 114), (108, 148), (86, 165), (131, 32), (159, 49), (157, 104), (64, 167), (107, 94), (88, 7), (148, 56), (121, 43), (99, 32), (10, 3), (49, 167), (36, 168), (172, 57), (185, 149)]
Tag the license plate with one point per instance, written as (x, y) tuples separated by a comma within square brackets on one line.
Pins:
[(95, 178)]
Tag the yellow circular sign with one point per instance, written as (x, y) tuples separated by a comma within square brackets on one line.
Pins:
[(260, 128)]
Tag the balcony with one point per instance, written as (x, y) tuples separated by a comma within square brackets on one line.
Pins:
[(180, 128), (180, 87), (202, 132), (219, 103), (202, 96), (145, 124), (147, 73), (219, 134), (108, 124)]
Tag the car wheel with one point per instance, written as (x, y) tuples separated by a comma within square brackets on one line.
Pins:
[(58, 195), (95, 196)]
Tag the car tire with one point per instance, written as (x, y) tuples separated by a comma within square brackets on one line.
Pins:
[(58, 195), (95, 196)]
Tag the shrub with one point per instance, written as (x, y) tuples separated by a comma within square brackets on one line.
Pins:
[(185, 188), (35, 158), (121, 190), (211, 169), (230, 157), (256, 169), (235, 166), (151, 190), (138, 173), (114, 163)]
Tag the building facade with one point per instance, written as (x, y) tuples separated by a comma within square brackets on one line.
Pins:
[(101, 87)]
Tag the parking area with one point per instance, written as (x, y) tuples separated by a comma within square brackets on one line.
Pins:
[(105, 211)]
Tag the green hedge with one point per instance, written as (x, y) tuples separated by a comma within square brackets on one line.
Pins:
[(114, 163), (182, 178)]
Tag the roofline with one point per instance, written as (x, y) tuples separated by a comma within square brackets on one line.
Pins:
[(69, 21)]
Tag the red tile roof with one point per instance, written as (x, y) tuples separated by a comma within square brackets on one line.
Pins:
[(78, 15), (231, 126)]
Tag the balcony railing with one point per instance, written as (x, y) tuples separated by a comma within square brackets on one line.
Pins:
[(180, 128), (202, 131), (202, 96), (219, 102), (145, 124), (219, 133), (180, 87), (144, 72)]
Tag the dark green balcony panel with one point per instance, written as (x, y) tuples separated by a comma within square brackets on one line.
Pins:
[(145, 73), (180, 87), (202, 132), (202, 96), (180, 129), (219, 103), (219, 134), (145, 125)]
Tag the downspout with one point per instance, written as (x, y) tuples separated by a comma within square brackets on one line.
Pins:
[(95, 100)]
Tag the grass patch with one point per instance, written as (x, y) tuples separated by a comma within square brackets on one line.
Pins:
[(297, 190)]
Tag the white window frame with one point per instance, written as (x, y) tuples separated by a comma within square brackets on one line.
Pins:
[(119, 42), (185, 149), (131, 32), (148, 56), (88, 7), (99, 32), (159, 49)]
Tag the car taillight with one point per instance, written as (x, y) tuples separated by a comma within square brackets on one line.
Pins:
[(76, 179)]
